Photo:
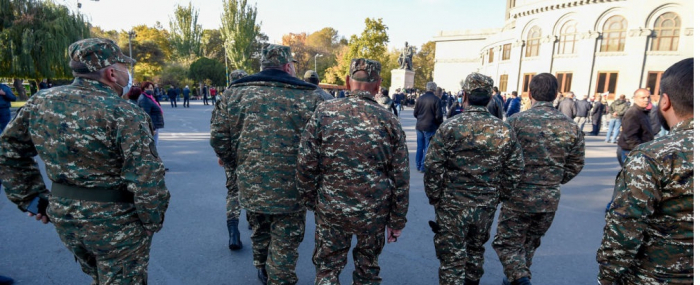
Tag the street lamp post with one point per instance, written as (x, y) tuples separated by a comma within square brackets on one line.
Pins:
[(132, 34), (315, 56)]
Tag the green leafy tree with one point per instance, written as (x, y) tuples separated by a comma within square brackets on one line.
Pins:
[(185, 32), (424, 64), (205, 68), (255, 56), (326, 43), (213, 45), (175, 74), (239, 32), (34, 40)]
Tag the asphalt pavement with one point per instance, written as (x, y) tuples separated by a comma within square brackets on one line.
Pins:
[(192, 247)]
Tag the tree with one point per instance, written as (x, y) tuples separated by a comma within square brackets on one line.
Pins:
[(424, 64), (213, 45), (175, 74), (34, 40), (205, 68), (371, 44), (239, 32), (325, 42), (185, 33), (255, 55)]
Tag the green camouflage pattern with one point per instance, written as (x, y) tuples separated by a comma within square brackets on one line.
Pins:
[(281, 252), (471, 158), (255, 129), (97, 53), (353, 165), (554, 145), (330, 256), (372, 67), (276, 55), (233, 206), (518, 235), (459, 243), (648, 234), (477, 81), (237, 74), (89, 137)]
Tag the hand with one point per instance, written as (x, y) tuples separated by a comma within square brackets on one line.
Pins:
[(393, 235), (40, 217), (221, 162), (2, 92)]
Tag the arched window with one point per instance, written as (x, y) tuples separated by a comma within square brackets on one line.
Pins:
[(667, 31), (532, 47), (614, 33), (567, 38)]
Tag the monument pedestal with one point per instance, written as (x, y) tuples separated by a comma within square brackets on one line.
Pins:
[(401, 79)]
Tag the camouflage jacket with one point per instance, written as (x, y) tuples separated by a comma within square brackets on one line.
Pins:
[(255, 129), (353, 165), (553, 150), (88, 137), (648, 232), (470, 159)]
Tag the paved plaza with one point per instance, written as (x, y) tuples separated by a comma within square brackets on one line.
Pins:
[(192, 248)]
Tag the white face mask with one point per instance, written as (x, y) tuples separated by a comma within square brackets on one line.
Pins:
[(125, 89)]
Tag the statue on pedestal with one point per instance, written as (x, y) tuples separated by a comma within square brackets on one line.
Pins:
[(406, 58)]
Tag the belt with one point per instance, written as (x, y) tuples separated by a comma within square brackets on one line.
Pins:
[(95, 194)]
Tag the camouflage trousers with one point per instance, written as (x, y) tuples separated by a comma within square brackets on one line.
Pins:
[(110, 250), (233, 206), (459, 243), (332, 244), (517, 237), (276, 240)]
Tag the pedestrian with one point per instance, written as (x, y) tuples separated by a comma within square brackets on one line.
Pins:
[(363, 135), (463, 178), (583, 108), (311, 76), (108, 194), (648, 234), (514, 104), (428, 114), (6, 99), (597, 111), (212, 93), (443, 100), (205, 95), (382, 98), (553, 151), (172, 95), (457, 107), (525, 103), (654, 118), (186, 97), (617, 110), (398, 98), (251, 135), (567, 106), (636, 127), (496, 106), (606, 110)]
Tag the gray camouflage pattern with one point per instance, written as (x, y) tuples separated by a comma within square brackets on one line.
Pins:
[(372, 67), (97, 53), (477, 80), (648, 234), (277, 255), (276, 55)]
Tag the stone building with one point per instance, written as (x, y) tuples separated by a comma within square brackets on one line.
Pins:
[(591, 46)]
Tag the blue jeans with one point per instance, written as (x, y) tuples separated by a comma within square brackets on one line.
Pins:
[(622, 155), (423, 141), (5, 117), (614, 129)]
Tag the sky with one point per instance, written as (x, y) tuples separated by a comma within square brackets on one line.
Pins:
[(415, 21)]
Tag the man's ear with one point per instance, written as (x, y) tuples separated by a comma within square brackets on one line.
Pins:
[(664, 104), (110, 74)]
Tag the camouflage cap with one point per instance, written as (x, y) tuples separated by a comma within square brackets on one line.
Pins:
[(372, 67), (97, 53), (276, 55), (310, 74), (476, 81), (237, 74)]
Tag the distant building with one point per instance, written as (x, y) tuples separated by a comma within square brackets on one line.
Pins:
[(591, 46)]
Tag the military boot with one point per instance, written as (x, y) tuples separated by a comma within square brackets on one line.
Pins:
[(234, 236)]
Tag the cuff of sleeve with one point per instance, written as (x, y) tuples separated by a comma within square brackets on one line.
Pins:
[(396, 223), (153, 227)]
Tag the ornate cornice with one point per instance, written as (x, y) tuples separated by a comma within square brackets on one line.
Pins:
[(456, 60), (589, 35), (639, 32), (549, 39), (554, 5)]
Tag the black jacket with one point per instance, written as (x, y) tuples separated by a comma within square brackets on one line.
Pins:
[(597, 112), (153, 110), (636, 128), (428, 112), (568, 107), (495, 106), (654, 119), (582, 108)]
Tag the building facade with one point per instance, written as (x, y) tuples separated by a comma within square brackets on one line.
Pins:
[(591, 46)]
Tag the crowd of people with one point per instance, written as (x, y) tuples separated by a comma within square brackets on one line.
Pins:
[(346, 160)]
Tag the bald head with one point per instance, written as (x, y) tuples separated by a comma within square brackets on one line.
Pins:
[(641, 97)]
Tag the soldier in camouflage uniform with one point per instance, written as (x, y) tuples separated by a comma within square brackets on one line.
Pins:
[(553, 151), (353, 171), (256, 132), (108, 195), (471, 157), (233, 207), (648, 235)]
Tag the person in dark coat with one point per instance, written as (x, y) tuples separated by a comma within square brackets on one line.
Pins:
[(172, 94), (567, 105), (636, 127), (654, 118), (583, 107), (513, 105), (151, 106), (428, 114), (597, 111), (496, 106)]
